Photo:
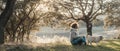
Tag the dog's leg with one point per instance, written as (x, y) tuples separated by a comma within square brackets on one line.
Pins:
[(97, 43), (90, 42)]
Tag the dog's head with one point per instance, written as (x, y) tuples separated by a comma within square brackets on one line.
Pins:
[(101, 37)]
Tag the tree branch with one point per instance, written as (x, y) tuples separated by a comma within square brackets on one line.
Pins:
[(94, 17), (94, 13), (86, 4), (91, 9), (72, 16), (82, 8)]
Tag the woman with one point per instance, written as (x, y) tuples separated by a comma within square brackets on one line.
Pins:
[(75, 40)]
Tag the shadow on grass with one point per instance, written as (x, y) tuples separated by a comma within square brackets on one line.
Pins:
[(114, 46), (62, 48)]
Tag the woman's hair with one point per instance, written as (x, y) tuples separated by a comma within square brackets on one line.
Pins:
[(74, 25)]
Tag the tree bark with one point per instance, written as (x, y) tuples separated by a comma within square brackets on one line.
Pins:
[(4, 17)]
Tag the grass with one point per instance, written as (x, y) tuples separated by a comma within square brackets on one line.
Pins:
[(108, 45)]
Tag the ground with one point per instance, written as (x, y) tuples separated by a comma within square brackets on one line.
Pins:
[(106, 45)]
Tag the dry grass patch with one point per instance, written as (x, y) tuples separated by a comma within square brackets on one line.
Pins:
[(108, 45)]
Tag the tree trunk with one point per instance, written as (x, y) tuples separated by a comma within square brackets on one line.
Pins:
[(1, 35), (89, 28), (4, 17)]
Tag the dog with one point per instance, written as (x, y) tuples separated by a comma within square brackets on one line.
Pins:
[(93, 39)]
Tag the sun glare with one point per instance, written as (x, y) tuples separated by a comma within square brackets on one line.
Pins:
[(42, 7)]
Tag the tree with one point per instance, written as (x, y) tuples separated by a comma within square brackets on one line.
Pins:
[(112, 8), (112, 22), (4, 17), (87, 11), (25, 19)]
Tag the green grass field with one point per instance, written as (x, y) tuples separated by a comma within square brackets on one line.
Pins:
[(108, 45)]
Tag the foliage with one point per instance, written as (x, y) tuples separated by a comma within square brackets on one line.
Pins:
[(112, 21), (112, 8), (23, 21), (113, 12)]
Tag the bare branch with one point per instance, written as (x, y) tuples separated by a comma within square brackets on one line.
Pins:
[(86, 4), (72, 16), (71, 13), (82, 8), (91, 9), (94, 17), (1, 9), (7, 30), (95, 12)]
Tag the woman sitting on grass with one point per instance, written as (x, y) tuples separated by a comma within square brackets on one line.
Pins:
[(74, 38)]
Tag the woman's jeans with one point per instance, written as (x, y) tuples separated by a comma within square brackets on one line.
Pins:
[(79, 41)]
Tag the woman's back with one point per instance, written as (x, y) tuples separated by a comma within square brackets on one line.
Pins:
[(73, 33)]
